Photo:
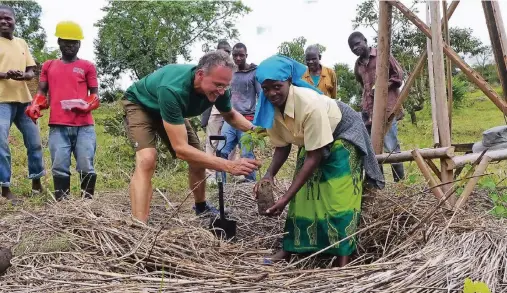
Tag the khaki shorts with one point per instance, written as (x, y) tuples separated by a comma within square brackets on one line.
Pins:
[(142, 129)]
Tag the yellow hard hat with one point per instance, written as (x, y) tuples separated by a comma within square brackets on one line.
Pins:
[(69, 30)]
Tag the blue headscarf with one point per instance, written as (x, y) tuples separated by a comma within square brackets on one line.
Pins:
[(279, 68)]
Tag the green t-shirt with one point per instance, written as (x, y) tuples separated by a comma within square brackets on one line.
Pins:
[(170, 92)]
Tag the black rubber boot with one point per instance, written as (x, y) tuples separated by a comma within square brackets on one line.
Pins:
[(88, 184), (62, 187), (398, 172)]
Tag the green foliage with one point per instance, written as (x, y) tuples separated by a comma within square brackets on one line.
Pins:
[(254, 139), (28, 27), (46, 54), (475, 287), (485, 66), (113, 123), (141, 36), (111, 95), (499, 199), (295, 49), (460, 88), (349, 90), (196, 123)]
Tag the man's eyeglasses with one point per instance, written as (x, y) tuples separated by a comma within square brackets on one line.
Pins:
[(222, 87)]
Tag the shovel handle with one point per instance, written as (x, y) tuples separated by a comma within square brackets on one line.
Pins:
[(221, 199), (220, 181)]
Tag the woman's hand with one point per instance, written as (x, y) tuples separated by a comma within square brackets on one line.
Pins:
[(278, 207), (267, 178)]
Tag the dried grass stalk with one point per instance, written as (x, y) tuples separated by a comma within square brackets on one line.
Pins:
[(92, 246)]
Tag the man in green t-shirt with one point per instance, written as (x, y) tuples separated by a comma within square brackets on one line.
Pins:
[(158, 104)]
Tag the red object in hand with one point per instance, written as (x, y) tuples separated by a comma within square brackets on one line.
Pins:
[(92, 103), (39, 103)]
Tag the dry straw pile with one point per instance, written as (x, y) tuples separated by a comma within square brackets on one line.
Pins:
[(91, 246)]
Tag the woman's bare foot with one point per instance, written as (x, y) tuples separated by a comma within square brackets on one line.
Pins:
[(278, 256), (343, 261)]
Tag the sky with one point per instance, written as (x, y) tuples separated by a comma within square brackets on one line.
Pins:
[(327, 22)]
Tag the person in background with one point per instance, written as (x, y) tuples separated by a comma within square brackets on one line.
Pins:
[(319, 76), (364, 70), (244, 92), (157, 105), (212, 121), (71, 129), (334, 148), (16, 67)]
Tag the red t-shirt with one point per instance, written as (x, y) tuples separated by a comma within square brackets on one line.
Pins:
[(68, 81)]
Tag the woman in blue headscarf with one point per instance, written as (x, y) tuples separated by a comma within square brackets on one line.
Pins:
[(334, 148)]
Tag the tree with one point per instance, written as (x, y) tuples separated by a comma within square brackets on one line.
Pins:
[(485, 65), (139, 37), (28, 27), (295, 49), (408, 43), (349, 90)]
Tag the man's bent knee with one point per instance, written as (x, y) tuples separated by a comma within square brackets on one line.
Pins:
[(146, 160)]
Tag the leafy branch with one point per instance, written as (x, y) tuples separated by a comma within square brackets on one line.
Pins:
[(254, 139)]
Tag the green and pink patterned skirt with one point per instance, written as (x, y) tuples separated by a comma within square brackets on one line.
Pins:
[(327, 208)]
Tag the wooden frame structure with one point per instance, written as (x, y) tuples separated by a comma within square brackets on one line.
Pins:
[(437, 32)]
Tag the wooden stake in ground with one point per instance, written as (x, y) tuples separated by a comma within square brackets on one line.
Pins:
[(498, 39), (431, 78), (448, 66), (440, 92), (481, 168), (381, 77), (425, 170)]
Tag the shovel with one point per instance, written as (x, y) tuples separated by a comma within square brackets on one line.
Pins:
[(221, 227)]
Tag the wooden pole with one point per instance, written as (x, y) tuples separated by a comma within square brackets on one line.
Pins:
[(460, 161), (381, 77), (434, 168), (440, 95), (497, 37), (448, 66), (413, 76), (431, 78), (501, 29), (405, 156), (479, 171), (405, 91), (425, 170), (472, 75)]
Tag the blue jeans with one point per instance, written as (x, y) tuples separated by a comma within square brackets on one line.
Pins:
[(15, 113), (391, 143), (79, 140), (233, 136)]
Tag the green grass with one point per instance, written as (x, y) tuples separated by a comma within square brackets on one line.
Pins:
[(114, 161)]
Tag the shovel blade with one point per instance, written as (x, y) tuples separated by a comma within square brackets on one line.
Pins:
[(223, 228)]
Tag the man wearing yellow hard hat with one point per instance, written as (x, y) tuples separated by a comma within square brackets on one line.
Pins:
[(72, 85), (16, 67)]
